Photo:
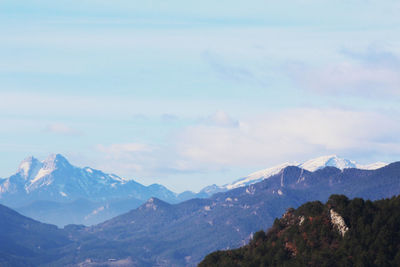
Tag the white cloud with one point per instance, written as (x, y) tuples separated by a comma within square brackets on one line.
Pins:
[(121, 149), (169, 117), (371, 73), (222, 119), (61, 128), (256, 142), (275, 137), (227, 71), (292, 134), (130, 158), (374, 55)]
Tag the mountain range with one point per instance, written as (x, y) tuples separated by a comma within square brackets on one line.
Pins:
[(309, 165), (56, 179), (55, 191), (47, 189), (162, 234)]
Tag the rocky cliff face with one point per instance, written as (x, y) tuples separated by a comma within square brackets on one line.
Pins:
[(338, 222)]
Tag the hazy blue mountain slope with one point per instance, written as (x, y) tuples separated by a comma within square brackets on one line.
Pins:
[(78, 211), (55, 179), (44, 190), (25, 242)]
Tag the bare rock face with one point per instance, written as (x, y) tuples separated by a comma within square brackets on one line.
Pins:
[(301, 220), (338, 221)]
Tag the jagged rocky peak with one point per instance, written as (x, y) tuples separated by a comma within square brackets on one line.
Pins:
[(31, 169), (28, 165), (55, 161), (156, 201), (153, 204)]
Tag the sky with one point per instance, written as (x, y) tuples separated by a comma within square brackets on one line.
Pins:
[(188, 94)]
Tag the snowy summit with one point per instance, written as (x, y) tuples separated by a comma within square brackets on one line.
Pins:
[(310, 165)]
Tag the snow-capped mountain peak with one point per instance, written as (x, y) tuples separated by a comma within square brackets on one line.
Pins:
[(259, 175), (32, 169), (55, 161), (309, 165), (55, 179), (325, 161)]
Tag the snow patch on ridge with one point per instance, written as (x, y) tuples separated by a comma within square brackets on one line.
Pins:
[(42, 173), (29, 167), (325, 161), (310, 165), (259, 175), (372, 166), (24, 168)]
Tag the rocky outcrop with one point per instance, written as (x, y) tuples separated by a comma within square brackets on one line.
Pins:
[(338, 222)]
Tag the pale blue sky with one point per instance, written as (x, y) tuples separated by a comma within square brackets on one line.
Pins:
[(190, 94)]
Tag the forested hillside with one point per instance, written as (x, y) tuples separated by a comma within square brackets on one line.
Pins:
[(341, 232)]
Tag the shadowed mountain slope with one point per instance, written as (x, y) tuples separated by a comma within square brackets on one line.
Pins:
[(26, 242)]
